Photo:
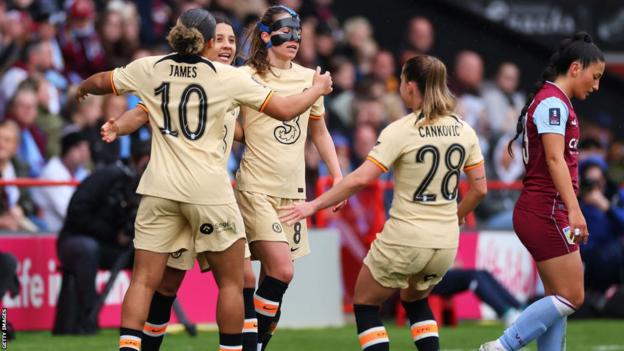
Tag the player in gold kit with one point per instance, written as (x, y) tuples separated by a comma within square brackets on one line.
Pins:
[(186, 183), (272, 171), (427, 149)]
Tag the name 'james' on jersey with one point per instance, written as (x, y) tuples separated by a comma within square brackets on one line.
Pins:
[(188, 97), (427, 158), (274, 163)]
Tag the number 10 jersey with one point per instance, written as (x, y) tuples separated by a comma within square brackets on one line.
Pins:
[(427, 158), (188, 98)]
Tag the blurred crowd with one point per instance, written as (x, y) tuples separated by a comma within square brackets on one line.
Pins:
[(48, 46)]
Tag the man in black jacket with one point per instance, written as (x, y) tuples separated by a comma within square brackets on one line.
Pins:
[(98, 229)]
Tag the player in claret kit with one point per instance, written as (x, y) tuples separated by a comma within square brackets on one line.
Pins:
[(188, 97), (547, 216), (427, 149)]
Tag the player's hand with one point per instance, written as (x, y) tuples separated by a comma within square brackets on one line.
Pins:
[(294, 213), (109, 131), (342, 204), (322, 81), (578, 227), (461, 220)]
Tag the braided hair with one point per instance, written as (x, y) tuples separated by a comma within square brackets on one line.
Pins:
[(580, 47)]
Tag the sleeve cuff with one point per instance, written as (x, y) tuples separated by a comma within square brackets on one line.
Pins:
[(377, 163), (266, 101), (143, 107), (316, 117), (113, 83), (473, 166)]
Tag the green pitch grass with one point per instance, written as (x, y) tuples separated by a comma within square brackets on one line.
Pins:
[(598, 335)]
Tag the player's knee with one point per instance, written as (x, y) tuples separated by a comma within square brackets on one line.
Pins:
[(249, 279), (167, 288), (576, 297), (283, 273)]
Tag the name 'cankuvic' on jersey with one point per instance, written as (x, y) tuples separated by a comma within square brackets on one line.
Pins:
[(427, 158), (187, 162), (549, 112)]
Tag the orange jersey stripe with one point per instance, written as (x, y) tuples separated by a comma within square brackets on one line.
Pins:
[(467, 168), (379, 164), (315, 117), (372, 335), (142, 107), (266, 101), (113, 84)]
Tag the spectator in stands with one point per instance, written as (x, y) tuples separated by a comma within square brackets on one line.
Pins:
[(466, 85), (37, 60), (369, 110), (13, 36), (384, 69), (22, 109), (53, 200), (81, 45), (117, 48), (325, 44), (98, 229), (49, 123), (419, 39), (602, 204), (615, 157), (341, 99), (358, 43), (364, 139), (503, 101), (12, 215)]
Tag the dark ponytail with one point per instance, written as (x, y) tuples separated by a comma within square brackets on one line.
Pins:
[(579, 47), (195, 27)]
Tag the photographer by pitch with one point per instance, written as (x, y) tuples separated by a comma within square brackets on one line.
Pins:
[(602, 204), (98, 229)]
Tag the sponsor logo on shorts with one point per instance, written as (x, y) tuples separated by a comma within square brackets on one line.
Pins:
[(428, 277), (177, 254), (206, 228), (277, 227)]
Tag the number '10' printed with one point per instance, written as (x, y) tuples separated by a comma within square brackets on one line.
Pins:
[(163, 90)]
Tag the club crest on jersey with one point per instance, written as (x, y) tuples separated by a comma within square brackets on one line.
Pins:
[(554, 116), (288, 132), (277, 228)]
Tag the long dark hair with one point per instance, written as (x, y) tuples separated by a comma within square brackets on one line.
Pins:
[(258, 51), (580, 47)]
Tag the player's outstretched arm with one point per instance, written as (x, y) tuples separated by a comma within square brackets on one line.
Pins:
[(97, 84), (350, 185), (476, 192), (125, 124), (286, 108), (325, 146)]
